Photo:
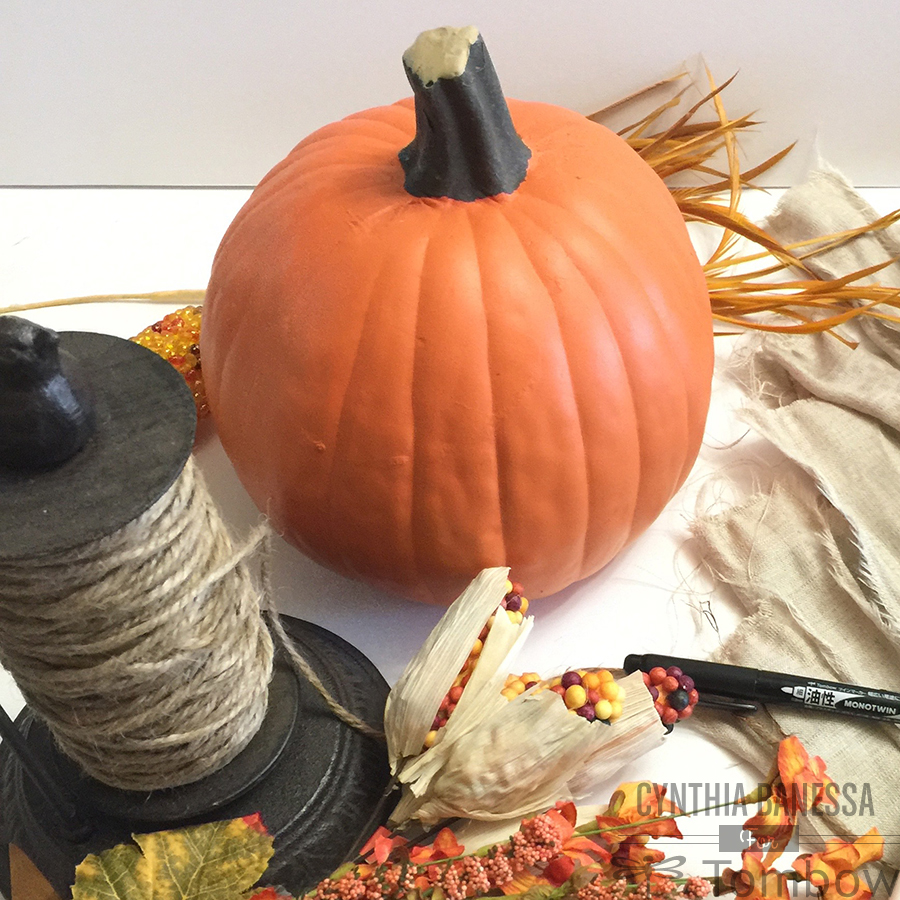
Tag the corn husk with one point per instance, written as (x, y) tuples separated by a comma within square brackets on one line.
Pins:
[(417, 694), (529, 753)]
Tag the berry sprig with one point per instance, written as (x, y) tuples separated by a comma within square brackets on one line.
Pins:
[(514, 604), (673, 693)]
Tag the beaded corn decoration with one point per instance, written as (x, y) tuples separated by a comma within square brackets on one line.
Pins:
[(176, 338)]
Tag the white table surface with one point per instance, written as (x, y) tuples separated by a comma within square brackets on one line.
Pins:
[(58, 243)]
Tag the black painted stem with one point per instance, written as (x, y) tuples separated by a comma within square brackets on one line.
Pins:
[(466, 146)]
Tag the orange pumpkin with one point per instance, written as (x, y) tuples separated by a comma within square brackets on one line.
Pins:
[(428, 353)]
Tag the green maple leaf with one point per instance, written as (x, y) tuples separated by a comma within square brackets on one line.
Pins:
[(218, 861)]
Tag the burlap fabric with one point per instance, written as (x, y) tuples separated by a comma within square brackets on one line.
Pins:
[(815, 559)]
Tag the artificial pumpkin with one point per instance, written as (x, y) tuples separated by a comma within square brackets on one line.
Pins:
[(449, 334)]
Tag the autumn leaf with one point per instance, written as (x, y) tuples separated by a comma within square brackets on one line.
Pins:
[(755, 880), (380, 845), (217, 861), (806, 785), (830, 867)]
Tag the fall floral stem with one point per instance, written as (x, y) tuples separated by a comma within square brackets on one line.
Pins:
[(590, 828)]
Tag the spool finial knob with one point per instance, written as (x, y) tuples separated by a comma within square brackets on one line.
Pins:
[(46, 413)]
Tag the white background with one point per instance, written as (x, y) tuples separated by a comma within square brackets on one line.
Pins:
[(214, 92)]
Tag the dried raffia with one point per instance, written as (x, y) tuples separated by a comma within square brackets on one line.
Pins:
[(748, 287)]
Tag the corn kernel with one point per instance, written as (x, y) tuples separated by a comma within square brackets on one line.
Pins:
[(575, 696), (609, 690)]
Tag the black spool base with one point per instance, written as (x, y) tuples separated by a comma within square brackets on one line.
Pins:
[(318, 784)]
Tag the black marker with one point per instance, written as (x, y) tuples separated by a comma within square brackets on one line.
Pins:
[(772, 687)]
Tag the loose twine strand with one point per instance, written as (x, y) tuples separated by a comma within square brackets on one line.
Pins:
[(146, 652)]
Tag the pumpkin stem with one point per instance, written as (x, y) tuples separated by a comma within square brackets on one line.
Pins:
[(465, 146)]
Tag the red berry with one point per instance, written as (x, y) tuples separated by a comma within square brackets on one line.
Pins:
[(693, 697), (646, 677), (669, 716), (669, 683), (660, 709), (594, 696), (686, 713), (657, 675), (558, 689), (455, 693)]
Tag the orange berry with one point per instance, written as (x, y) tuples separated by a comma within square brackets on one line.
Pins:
[(605, 675), (591, 680)]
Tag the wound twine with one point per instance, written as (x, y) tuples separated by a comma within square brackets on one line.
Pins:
[(145, 651)]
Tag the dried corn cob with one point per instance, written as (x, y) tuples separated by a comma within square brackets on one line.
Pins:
[(514, 605)]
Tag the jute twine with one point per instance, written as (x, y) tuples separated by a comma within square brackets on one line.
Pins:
[(146, 652)]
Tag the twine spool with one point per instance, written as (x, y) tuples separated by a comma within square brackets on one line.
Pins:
[(145, 651)]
